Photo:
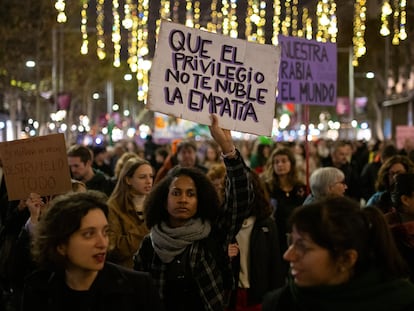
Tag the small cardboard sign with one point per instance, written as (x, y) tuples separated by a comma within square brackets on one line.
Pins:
[(196, 73), (37, 165)]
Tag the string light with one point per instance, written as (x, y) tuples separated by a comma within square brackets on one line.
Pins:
[(100, 34), (127, 21), (143, 65), (212, 25), (249, 20), (403, 21), (395, 38), (333, 25), (306, 30), (295, 18), (116, 33), (131, 24), (385, 12), (358, 39), (165, 13), (277, 11), (84, 32), (189, 13), (223, 19), (233, 19), (197, 14), (262, 23), (225, 8), (60, 7), (286, 21)]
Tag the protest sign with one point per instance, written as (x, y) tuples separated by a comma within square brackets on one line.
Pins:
[(196, 73), (308, 72), (37, 164), (404, 134)]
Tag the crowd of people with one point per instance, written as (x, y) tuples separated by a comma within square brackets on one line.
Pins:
[(216, 225)]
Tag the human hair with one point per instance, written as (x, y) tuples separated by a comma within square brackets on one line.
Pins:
[(322, 178), (214, 146), (60, 221), (387, 152), (261, 153), (78, 186), (382, 183), (84, 153), (338, 224), (155, 205), (121, 161), (269, 175), (404, 185), (339, 144), (185, 144), (261, 207), (162, 151), (216, 171), (121, 194)]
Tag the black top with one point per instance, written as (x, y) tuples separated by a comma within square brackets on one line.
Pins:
[(115, 288)]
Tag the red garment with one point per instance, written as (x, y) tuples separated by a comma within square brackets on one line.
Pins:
[(242, 302)]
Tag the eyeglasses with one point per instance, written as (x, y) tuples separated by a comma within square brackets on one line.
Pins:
[(340, 182), (299, 245)]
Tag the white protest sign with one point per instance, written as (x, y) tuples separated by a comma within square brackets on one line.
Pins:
[(196, 73)]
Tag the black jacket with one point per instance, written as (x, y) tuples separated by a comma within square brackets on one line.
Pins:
[(266, 271), (115, 288), (100, 182)]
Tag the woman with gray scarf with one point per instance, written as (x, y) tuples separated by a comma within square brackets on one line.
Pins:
[(186, 250)]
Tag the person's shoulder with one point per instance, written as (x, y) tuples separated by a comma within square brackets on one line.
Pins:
[(374, 198), (274, 299), (40, 279)]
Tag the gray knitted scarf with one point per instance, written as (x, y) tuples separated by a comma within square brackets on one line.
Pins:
[(169, 242)]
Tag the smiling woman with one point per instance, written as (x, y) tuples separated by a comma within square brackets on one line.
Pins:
[(70, 247), (341, 258)]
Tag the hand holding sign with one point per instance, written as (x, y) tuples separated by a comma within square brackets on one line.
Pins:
[(35, 165), (196, 73)]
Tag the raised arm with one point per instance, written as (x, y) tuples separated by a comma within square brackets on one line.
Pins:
[(239, 189)]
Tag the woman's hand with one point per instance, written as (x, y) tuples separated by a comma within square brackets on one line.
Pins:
[(221, 136), (35, 205), (233, 250)]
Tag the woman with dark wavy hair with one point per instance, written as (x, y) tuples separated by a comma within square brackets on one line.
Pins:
[(342, 258), (186, 250), (70, 245)]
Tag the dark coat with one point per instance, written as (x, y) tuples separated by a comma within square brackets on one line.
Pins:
[(100, 182), (115, 288), (266, 272)]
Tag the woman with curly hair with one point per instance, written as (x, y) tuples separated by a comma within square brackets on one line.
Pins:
[(190, 230), (70, 245)]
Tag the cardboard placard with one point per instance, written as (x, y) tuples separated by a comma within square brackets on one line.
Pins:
[(37, 164), (196, 73)]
